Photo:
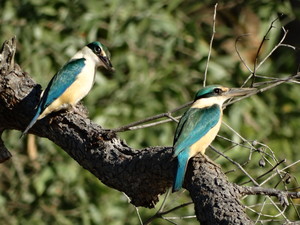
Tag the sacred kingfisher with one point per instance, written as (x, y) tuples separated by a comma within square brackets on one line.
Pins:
[(73, 81), (200, 124)]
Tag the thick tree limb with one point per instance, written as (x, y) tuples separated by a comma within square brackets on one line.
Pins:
[(141, 174), (212, 192)]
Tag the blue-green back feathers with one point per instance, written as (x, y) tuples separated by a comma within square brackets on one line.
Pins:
[(193, 125), (56, 87), (61, 81)]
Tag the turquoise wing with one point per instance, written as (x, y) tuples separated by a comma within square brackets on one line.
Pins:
[(193, 125), (56, 87), (61, 81)]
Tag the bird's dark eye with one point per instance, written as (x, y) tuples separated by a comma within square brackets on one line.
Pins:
[(218, 90), (97, 50)]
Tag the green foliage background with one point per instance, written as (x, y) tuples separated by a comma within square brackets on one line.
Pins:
[(159, 50)]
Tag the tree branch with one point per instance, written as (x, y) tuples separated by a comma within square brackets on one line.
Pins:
[(281, 195), (212, 192)]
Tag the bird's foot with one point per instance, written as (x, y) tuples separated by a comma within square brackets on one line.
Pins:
[(207, 159), (80, 109)]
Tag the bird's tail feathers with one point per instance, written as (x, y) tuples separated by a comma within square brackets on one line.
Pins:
[(32, 122), (181, 168)]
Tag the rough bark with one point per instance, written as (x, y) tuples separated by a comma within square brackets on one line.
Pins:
[(141, 174), (212, 192)]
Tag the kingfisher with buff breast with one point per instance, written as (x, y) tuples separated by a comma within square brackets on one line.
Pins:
[(73, 81), (200, 124)]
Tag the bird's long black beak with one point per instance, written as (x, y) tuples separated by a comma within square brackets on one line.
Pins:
[(234, 92), (107, 63)]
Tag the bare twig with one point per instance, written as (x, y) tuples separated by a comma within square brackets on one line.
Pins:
[(274, 49), (240, 56), (246, 190), (160, 214), (260, 90), (151, 118), (264, 174), (152, 124), (274, 80), (274, 174), (259, 49), (235, 163), (139, 215), (210, 44)]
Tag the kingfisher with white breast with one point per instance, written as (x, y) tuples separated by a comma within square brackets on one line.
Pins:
[(73, 81), (200, 124)]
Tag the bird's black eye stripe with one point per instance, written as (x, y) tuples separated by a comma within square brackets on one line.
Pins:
[(218, 90), (97, 50)]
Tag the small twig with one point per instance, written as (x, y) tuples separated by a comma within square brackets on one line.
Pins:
[(258, 84), (288, 46), (153, 124), (274, 174), (260, 90), (234, 144), (210, 44), (160, 214), (269, 171), (279, 82), (179, 217), (259, 49), (136, 208), (240, 56), (247, 190), (264, 214), (170, 221), (261, 210), (274, 49), (172, 118), (139, 215), (161, 208), (235, 132), (235, 163), (151, 118)]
